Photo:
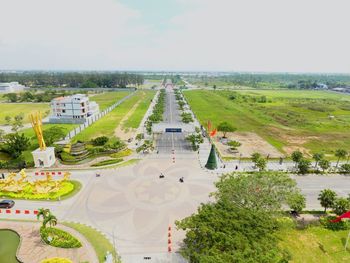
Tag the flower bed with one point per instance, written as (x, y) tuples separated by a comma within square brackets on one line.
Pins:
[(66, 189), (59, 238)]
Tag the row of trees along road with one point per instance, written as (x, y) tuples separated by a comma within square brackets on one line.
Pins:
[(74, 79)]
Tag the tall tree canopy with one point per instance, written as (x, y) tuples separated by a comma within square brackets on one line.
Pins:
[(240, 225)]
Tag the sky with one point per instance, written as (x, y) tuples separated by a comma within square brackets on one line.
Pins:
[(176, 35)]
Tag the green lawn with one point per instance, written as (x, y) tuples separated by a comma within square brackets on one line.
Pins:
[(145, 100), (289, 119), (106, 99), (106, 125), (100, 243), (315, 244), (13, 109), (9, 241)]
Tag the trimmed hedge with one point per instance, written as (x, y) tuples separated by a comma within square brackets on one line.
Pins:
[(56, 260), (326, 222), (107, 162), (59, 237)]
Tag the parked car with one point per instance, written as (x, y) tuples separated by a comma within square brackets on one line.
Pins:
[(7, 203)]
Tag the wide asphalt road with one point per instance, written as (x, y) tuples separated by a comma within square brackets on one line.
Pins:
[(167, 142)]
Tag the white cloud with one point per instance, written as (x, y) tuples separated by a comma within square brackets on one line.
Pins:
[(269, 35)]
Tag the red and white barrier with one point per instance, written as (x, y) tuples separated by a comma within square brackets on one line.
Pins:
[(48, 173), (169, 239), (18, 211)]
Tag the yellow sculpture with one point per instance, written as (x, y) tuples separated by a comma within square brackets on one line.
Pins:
[(36, 120), (43, 186)]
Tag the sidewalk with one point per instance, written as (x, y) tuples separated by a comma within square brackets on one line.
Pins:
[(32, 249)]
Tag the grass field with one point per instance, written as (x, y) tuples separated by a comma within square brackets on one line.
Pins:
[(106, 99), (135, 119), (106, 126), (100, 243), (9, 241), (315, 244), (13, 109), (312, 121)]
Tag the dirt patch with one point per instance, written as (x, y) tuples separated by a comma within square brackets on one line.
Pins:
[(125, 134), (294, 142), (251, 143)]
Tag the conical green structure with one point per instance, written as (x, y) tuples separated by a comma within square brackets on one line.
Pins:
[(212, 163)]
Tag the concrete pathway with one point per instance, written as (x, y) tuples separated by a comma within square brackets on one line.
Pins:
[(32, 249)]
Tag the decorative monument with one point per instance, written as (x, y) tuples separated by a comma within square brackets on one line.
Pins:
[(212, 162), (43, 156)]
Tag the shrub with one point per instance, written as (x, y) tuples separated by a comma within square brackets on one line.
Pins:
[(107, 162), (341, 225), (59, 237), (67, 157), (99, 141), (345, 168), (123, 153), (56, 260), (341, 205)]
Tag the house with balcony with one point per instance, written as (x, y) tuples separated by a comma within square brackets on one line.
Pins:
[(72, 109)]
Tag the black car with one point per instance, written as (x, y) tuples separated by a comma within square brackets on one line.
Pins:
[(7, 203)]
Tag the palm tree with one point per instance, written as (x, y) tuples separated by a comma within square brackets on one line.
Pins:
[(51, 219), (317, 157), (341, 154), (43, 212)]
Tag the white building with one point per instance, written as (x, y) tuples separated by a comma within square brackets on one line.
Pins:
[(11, 87), (72, 109)]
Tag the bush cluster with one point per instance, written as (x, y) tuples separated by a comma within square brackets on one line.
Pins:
[(107, 162), (158, 110), (341, 225), (59, 237)]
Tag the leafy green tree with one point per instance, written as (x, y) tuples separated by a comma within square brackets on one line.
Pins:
[(186, 117), (241, 224), (2, 135), (341, 154), (18, 122), (341, 205), (8, 120), (261, 164), (255, 157), (147, 146), (345, 168), (99, 141), (303, 166), (27, 96), (195, 140), (53, 134), (327, 198), (324, 164), (317, 157), (297, 202), (214, 87), (15, 144), (225, 232), (11, 97), (225, 127), (266, 191), (296, 157)]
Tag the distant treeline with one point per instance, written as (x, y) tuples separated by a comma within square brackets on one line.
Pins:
[(73, 79), (276, 80)]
